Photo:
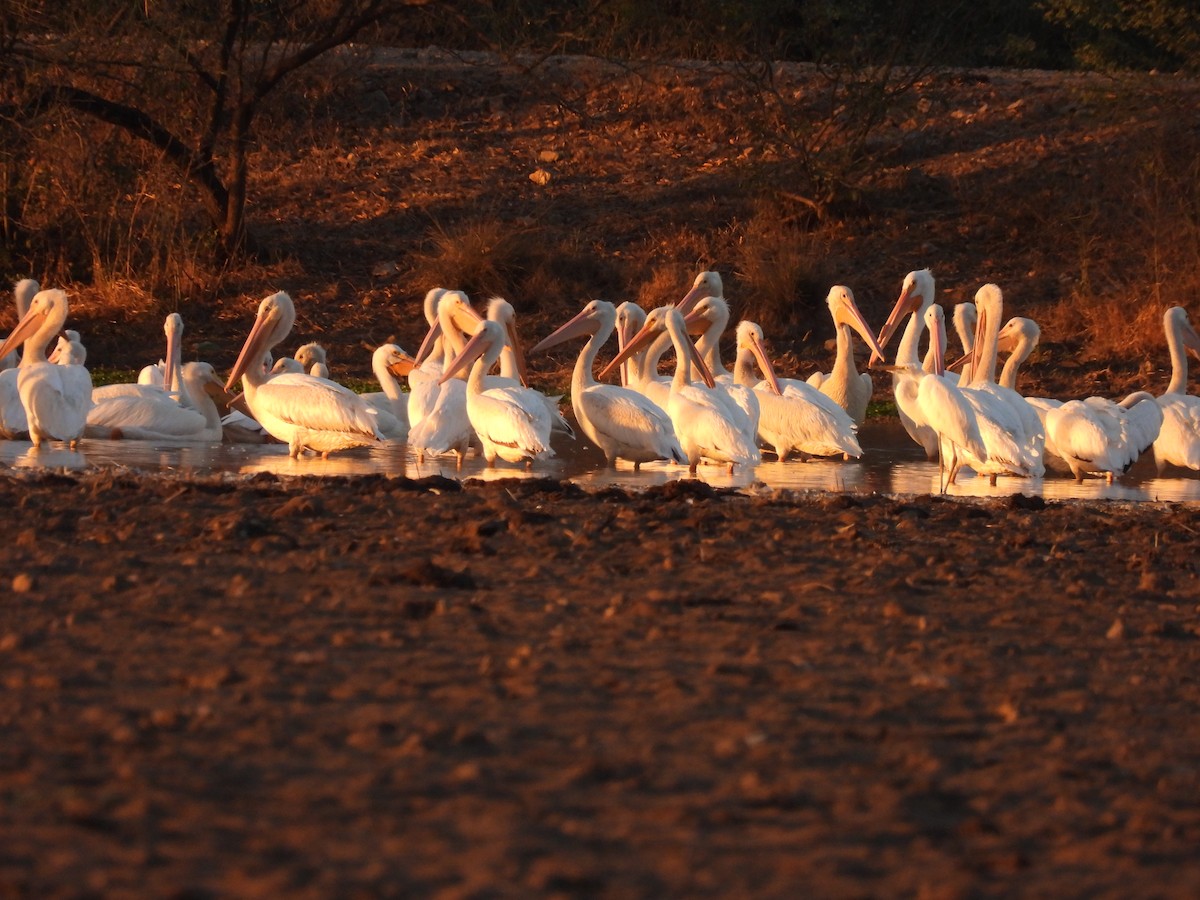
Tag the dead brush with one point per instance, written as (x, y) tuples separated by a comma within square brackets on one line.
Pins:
[(481, 256)]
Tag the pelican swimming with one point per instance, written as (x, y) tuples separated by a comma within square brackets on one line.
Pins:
[(55, 399), (844, 384), (620, 421), (303, 411), (1178, 442), (799, 419), (512, 422), (702, 423)]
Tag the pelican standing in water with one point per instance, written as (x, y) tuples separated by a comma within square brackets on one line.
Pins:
[(620, 421), (797, 419), (512, 423), (845, 384), (1093, 436), (446, 426), (941, 405), (702, 423), (916, 298), (1010, 427), (1178, 442), (56, 399), (303, 411)]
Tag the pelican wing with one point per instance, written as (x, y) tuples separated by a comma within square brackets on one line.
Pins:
[(509, 417), (630, 419), (57, 397), (316, 404), (158, 415), (12, 410)]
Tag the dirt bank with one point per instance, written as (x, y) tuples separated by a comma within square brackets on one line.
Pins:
[(363, 687)]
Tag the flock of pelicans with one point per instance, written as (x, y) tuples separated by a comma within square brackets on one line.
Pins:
[(702, 413)]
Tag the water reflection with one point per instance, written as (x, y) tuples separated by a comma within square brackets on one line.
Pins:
[(892, 464)]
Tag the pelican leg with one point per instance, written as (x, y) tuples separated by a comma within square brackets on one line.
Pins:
[(992, 479), (637, 465)]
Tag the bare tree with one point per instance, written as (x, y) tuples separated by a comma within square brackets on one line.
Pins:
[(188, 78)]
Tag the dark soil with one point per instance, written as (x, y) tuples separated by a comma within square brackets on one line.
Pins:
[(373, 687)]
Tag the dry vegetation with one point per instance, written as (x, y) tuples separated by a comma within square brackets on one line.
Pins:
[(381, 175)]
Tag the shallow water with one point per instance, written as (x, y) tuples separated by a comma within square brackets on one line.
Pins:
[(891, 464)]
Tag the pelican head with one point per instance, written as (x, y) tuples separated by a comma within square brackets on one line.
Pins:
[(709, 312), (47, 312), (500, 310), (846, 315), (312, 359), (750, 340), (587, 321), (1016, 330), (664, 318), (276, 316), (916, 292), (394, 359), (1175, 320), (487, 342), (706, 284)]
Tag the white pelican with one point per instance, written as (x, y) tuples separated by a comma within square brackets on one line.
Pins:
[(942, 406), (620, 421), (512, 361), (1178, 442), (148, 418), (423, 379), (56, 399), (851, 389), (152, 381), (701, 422), (303, 411), (446, 427), (916, 298), (639, 370), (69, 350), (313, 359), (287, 365), (1010, 427), (389, 363), (710, 316), (800, 419), (706, 284), (23, 294), (512, 422), (1094, 436)]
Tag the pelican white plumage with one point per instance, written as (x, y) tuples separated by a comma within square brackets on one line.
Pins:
[(844, 383), (303, 411), (512, 362), (702, 424), (1093, 436), (423, 379), (706, 284), (1012, 432), (620, 421), (1178, 442), (446, 427), (512, 422), (916, 298), (313, 359), (55, 399), (23, 294), (639, 370), (941, 405), (152, 381), (711, 316), (798, 420), (390, 363), (161, 418)]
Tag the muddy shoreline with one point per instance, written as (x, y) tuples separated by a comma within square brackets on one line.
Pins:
[(382, 686)]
